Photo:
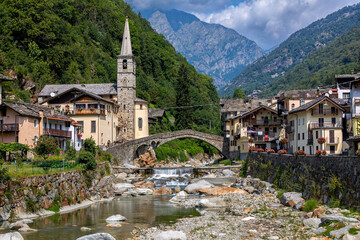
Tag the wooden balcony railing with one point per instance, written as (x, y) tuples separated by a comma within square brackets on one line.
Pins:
[(89, 111), (265, 122), (57, 133), (324, 125), (12, 127)]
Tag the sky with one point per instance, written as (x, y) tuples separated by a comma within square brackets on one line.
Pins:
[(267, 22)]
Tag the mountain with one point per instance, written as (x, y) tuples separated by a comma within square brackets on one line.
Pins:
[(214, 50), (339, 57), (294, 50), (57, 41)]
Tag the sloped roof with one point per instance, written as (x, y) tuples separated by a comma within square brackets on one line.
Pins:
[(140, 100), (253, 111), (298, 94), (98, 88), (311, 104), (32, 110), (155, 113)]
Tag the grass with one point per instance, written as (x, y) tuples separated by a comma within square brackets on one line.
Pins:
[(27, 170), (310, 205), (226, 162)]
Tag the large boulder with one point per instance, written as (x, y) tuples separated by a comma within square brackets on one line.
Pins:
[(216, 191), (333, 218), (169, 235), (181, 196), (312, 222), (340, 232), (145, 184), (211, 203), (228, 172), (194, 188), (349, 236), (164, 190), (291, 199), (144, 191), (120, 188), (97, 236), (116, 218), (11, 236)]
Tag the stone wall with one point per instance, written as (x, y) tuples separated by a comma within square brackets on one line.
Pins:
[(27, 195), (333, 180)]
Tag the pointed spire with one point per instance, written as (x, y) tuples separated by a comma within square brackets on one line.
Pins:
[(126, 42)]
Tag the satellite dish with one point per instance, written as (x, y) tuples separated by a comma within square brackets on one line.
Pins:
[(52, 94), (326, 94), (330, 92)]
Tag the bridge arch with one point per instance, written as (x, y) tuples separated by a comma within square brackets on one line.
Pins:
[(126, 152)]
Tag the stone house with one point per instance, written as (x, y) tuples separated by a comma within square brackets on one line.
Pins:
[(108, 112), (321, 117), (259, 127)]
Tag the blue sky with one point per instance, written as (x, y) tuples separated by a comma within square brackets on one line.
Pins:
[(267, 22)]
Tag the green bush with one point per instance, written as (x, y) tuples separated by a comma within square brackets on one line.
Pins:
[(90, 146), (226, 162), (45, 146), (70, 152), (88, 160), (310, 205)]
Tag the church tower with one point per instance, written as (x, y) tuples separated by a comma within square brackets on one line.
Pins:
[(126, 86)]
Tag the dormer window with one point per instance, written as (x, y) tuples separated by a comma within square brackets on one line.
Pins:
[(124, 64)]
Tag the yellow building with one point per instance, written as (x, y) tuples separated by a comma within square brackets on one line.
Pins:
[(321, 117), (259, 127)]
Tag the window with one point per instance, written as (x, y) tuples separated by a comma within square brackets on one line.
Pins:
[(60, 127), (321, 108), (298, 122), (81, 126), (298, 148), (302, 101), (67, 124), (317, 148), (93, 126), (303, 136), (124, 64), (303, 148), (36, 139), (35, 123), (292, 106), (232, 132), (140, 121), (346, 95), (55, 126), (321, 122), (333, 110), (92, 106), (140, 106), (333, 121), (124, 107), (232, 122), (317, 135), (298, 136), (332, 149), (274, 129), (303, 121)]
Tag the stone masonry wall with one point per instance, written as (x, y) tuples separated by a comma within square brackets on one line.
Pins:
[(26, 195), (328, 178)]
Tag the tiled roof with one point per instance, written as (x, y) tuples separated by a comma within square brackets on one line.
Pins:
[(354, 138), (253, 111), (140, 100), (5, 78), (32, 110), (155, 113), (98, 88), (304, 94), (314, 102)]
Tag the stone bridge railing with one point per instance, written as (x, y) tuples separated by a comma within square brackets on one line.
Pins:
[(126, 152)]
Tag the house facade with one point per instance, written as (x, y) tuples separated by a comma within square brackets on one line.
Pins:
[(321, 117)]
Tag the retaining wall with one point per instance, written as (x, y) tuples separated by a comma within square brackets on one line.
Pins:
[(331, 179)]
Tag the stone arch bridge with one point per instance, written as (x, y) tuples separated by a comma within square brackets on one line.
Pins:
[(126, 152)]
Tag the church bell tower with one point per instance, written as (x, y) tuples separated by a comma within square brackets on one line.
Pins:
[(126, 86)]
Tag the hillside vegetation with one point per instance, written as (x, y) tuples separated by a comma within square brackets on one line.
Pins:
[(68, 41), (295, 50), (341, 56)]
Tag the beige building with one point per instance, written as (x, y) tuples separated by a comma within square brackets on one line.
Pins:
[(321, 117), (259, 127), (106, 112)]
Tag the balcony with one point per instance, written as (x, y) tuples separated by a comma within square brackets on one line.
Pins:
[(290, 129), (265, 122), (89, 111), (324, 125), (13, 127), (324, 111), (57, 133), (261, 138)]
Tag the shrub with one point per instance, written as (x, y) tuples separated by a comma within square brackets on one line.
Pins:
[(260, 150), (284, 141), (321, 140), (46, 145), (310, 205), (318, 152), (251, 149), (88, 160), (270, 151), (70, 153), (299, 153), (282, 151), (226, 162), (251, 140), (90, 146), (323, 152)]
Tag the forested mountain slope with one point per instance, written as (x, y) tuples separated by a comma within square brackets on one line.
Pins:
[(66, 41)]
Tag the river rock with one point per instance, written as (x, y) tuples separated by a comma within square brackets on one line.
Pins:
[(332, 218), (312, 222), (120, 188), (349, 236), (228, 173), (216, 191), (116, 218), (144, 191), (211, 203), (18, 225), (177, 189), (26, 228), (291, 199), (164, 190), (319, 212), (169, 235), (121, 175), (85, 229), (145, 184), (97, 236), (179, 197), (11, 236), (195, 187), (114, 225)]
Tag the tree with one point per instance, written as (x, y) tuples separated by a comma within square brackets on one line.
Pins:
[(238, 94), (46, 145), (88, 159), (183, 115), (90, 146)]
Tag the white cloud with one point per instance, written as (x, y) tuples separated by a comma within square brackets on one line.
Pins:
[(269, 22)]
